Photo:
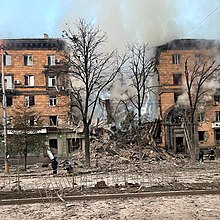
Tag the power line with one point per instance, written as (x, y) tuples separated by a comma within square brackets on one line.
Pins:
[(196, 26)]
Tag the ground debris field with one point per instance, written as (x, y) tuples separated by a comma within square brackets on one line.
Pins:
[(184, 207), (163, 176), (115, 186)]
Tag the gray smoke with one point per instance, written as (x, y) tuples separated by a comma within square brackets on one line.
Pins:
[(146, 21), (149, 21)]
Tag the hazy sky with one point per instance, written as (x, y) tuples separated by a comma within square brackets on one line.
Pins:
[(152, 21)]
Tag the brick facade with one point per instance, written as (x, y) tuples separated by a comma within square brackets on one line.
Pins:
[(50, 97), (166, 67)]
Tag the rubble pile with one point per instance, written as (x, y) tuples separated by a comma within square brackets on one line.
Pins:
[(109, 149)]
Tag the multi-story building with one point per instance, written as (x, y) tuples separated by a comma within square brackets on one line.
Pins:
[(171, 59), (27, 82)]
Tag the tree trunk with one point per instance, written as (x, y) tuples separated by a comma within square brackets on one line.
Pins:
[(139, 116), (87, 144), (25, 159), (193, 139), (140, 152), (25, 153)]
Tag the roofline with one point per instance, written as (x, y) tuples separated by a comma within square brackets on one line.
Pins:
[(188, 44), (183, 44), (33, 44)]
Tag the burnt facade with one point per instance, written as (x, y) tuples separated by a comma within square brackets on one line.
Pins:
[(27, 83), (171, 59)]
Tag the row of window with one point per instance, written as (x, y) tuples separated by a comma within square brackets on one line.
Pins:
[(201, 135), (30, 100), (28, 60), (176, 59), (216, 97), (72, 144), (28, 81), (53, 121), (201, 116)]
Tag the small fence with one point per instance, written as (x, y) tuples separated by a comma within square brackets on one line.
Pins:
[(43, 184), (127, 175)]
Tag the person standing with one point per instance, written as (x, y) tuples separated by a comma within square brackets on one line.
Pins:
[(54, 165), (201, 155)]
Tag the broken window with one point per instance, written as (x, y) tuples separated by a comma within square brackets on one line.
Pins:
[(176, 95), (177, 79), (28, 60), (52, 100), (7, 60), (9, 101), (51, 60), (29, 80), (201, 135), (217, 116), (73, 144), (176, 58), (53, 120), (216, 98), (217, 134), (201, 116), (31, 121), (53, 143), (51, 81), (29, 100)]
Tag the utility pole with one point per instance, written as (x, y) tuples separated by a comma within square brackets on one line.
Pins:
[(4, 118)]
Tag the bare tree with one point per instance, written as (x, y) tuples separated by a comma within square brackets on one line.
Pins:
[(197, 77), (25, 136), (141, 67), (91, 71)]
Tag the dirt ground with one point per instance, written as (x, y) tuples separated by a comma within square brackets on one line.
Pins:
[(203, 207), (160, 176)]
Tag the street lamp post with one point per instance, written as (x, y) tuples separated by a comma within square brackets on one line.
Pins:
[(4, 118)]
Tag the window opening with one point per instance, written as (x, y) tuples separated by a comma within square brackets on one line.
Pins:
[(51, 81), (177, 78), (201, 135), (53, 143), (28, 60), (53, 120), (29, 101), (29, 80), (176, 58), (51, 60), (217, 116), (7, 60), (52, 100)]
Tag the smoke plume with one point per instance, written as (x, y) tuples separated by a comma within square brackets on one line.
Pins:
[(149, 21)]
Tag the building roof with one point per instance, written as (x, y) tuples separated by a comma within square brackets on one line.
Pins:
[(33, 44), (188, 44), (184, 44)]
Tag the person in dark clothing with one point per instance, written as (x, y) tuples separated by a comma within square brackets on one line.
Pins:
[(201, 155), (68, 167), (54, 165), (211, 154)]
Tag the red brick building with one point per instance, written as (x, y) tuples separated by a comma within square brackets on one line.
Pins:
[(28, 83), (171, 58)]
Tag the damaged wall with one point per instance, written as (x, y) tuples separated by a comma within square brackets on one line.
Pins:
[(172, 90)]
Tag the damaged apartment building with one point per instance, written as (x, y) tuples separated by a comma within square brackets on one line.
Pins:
[(171, 59), (28, 83)]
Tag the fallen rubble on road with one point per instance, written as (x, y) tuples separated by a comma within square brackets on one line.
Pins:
[(115, 149)]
